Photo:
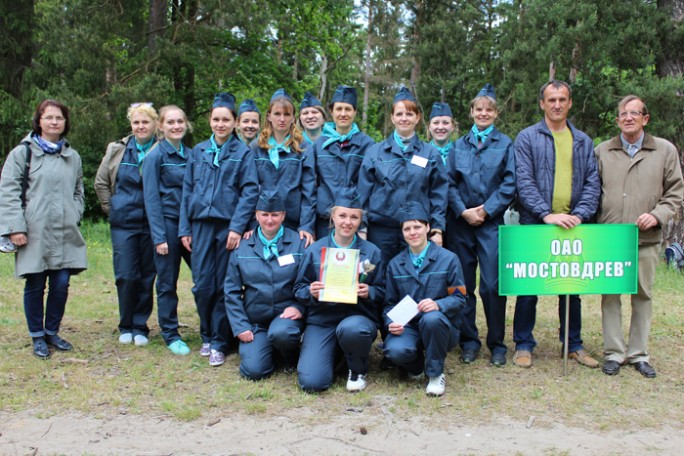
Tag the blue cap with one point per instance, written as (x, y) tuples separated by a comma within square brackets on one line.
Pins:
[(349, 198), (270, 201), (487, 91), (224, 100), (309, 101), (248, 106), (440, 109), (404, 94), (281, 93), (413, 210), (344, 94)]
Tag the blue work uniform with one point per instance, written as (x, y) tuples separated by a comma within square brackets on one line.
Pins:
[(439, 278), (294, 180), (163, 175), (390, 177), (337, 166), (216, 199), (257, 292), (481, 174), (133, 253), (351, 327)]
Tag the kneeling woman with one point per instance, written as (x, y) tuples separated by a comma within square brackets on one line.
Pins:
[(432, 276), (260, 302), (333, 326)]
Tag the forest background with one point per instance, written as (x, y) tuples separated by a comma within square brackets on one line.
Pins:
[(98, 56)]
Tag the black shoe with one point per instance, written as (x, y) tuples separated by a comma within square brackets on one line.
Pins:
[(498, 359), (611, 367), (58, 342), (40, 348), (645, 369), (469, 356)]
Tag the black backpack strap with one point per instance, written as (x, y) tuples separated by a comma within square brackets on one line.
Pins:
[(24, 181)]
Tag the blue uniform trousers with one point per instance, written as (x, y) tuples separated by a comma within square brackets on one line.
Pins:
[(34, 292), (168, 268), (525, 318), (475, 245), (256, 357), (389, 239), (435, 334), (354, 336), (134, 273), (209, 261)]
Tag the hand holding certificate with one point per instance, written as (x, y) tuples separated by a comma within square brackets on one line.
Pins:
[(339, 274), (404, 311)]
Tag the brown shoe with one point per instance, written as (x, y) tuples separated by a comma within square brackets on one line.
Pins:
[(583, 358), (522, 358)]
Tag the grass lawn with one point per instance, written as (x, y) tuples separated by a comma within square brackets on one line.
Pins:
[(101, 377)]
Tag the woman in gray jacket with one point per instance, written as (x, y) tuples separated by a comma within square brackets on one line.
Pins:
[(42, 221)]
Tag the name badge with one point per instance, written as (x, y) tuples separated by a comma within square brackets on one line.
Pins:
[(419, 161), (285, 260)]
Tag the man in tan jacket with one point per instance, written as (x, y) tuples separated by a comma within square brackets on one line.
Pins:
[(641, 183)]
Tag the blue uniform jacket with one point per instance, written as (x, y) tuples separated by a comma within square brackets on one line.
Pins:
[(295, 182), (329, 313), (535, 165), (440, 279), (337, 167), (163, 174), (485, 176), (227, 193), (128, 202), (258, 290), (388, 179)]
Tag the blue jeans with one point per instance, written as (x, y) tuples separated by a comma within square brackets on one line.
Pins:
[(34, 291), (526, 315)]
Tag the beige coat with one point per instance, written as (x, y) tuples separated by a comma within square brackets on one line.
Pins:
[(651, 182), (105, 179), (54, 207)]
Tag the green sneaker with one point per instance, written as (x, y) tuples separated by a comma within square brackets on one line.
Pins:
[(179, 347)]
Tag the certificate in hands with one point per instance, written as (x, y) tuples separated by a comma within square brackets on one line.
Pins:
[(340, 275), (404, 311)]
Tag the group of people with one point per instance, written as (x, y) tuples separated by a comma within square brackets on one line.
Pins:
[(252, 209)]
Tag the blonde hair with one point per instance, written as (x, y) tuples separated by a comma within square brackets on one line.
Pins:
[(296, 138), (145, 108), (333, 209), (491, 102), (164, 111)]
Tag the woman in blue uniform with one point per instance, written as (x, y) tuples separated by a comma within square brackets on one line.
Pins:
[(163, 175), (482, 175), (333, 326), (249, 119), (311, 118), (220, 190), (285, 165), (432, 276), (263, 312), (119, 187), (440, 129), (338, 155), (402, 168)]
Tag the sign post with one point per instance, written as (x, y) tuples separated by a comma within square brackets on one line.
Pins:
[(549, 260)]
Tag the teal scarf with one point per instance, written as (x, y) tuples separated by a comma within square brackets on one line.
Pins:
[(403, 143), (481, 135), (443, 150), (275, 148), (333, 136), (214, 149), (180, 151), (143, 149), (270, 247), (420, 258), (332, 237)]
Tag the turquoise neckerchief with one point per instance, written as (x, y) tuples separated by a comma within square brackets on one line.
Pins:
[(270, 247), (333, 136), (143, 149), (418, 259), (332, 237), (306, 137), (443, 150), (481, 135), (275, 148), (214, 149), (180, 151), (403, 143)]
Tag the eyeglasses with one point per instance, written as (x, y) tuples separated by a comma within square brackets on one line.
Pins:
[(623, 115), (144, 104), (50, 119)]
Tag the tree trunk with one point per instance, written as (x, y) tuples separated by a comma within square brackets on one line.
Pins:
[(324, 78), (156, 23), (16, 53), (367, 67)]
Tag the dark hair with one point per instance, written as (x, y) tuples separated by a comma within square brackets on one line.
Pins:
[(557, 85), (423, 222), (40, 109)]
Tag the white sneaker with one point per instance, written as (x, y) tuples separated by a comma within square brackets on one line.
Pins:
[(436, 386), (126, 338), (356, 382), (140, 340)]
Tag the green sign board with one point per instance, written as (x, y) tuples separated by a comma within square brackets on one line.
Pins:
[(549, 260)]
